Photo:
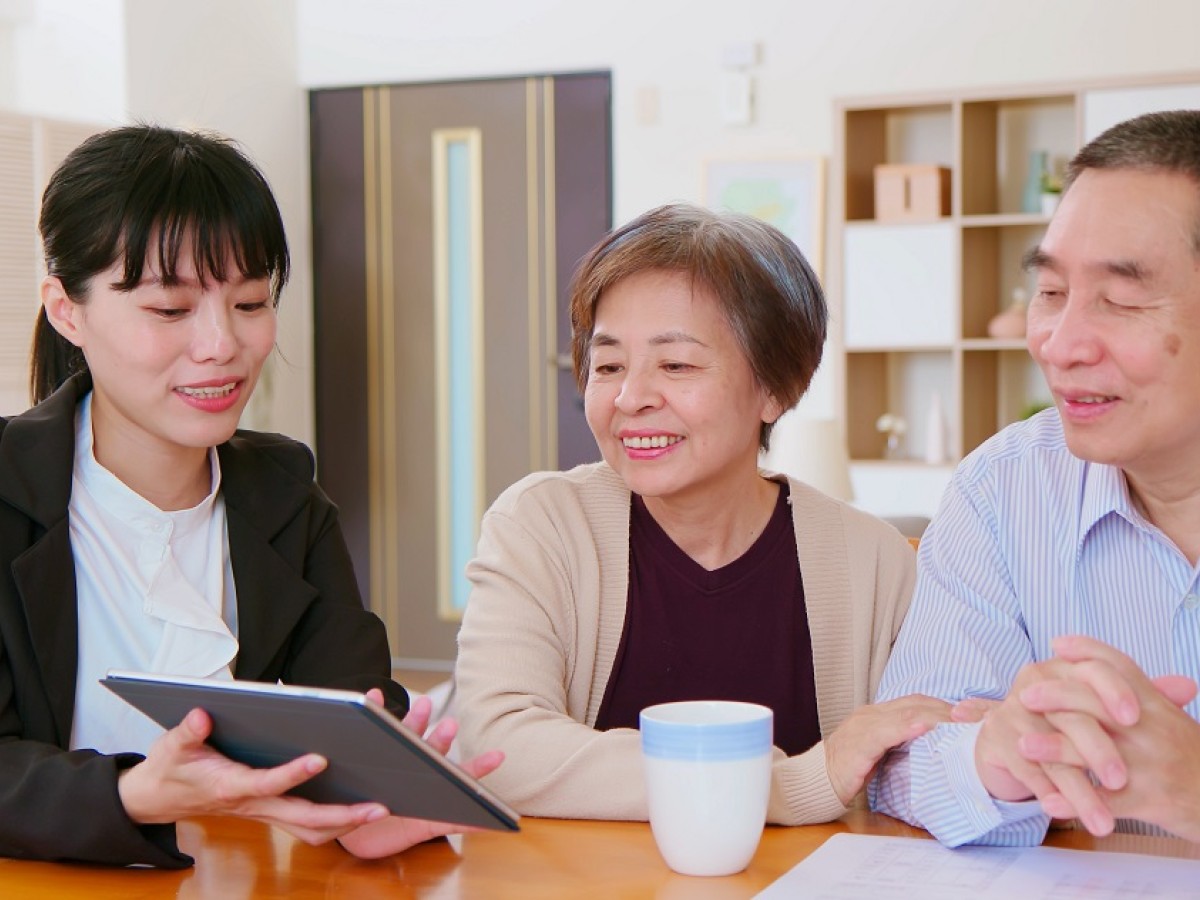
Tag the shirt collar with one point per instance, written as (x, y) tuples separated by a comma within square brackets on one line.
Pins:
[(1104, 492), (121, 501)]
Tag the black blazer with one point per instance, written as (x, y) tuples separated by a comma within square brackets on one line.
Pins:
[(300, 620)]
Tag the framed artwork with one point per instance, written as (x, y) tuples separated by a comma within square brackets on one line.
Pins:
[(787, 193)]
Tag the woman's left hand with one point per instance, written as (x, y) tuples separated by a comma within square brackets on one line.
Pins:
[(397, 833), (857, 745)]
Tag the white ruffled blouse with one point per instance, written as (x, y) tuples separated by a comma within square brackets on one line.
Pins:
[(155, 594)]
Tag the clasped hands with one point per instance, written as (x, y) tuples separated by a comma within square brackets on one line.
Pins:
[(1091, 736), (183, 776)]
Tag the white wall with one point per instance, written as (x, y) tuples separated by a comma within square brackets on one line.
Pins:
[(240, 66), (809, 54), (230, 66), (64, 60)]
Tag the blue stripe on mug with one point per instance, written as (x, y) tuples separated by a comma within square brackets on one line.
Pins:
[(705, 741)]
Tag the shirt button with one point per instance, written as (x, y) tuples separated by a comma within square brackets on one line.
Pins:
[(1191, 601)]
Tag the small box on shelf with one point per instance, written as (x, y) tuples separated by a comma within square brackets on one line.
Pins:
[(911, 192)]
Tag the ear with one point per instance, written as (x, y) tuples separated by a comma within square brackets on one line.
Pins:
[(61, 311), (772, 410)]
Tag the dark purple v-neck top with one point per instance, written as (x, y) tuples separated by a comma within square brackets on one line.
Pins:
[(739, 632)]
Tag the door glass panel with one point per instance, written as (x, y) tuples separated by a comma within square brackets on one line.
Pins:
[(458, 285)]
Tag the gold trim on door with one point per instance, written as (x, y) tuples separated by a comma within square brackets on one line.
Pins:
[(382, 461), (550, 259)]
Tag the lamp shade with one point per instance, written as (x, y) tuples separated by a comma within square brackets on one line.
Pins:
[(812, 451)]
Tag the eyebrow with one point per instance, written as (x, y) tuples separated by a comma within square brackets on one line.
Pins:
[(151, 280), (1129, 269), (601, 339)]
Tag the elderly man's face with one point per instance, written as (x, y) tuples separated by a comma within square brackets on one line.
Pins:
[(1115, 322)]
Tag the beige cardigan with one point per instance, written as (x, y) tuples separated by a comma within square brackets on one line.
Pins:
[(545, 616)]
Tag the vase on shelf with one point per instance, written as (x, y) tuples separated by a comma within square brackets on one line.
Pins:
[(1010, 323), (935, 432), (1031, 196)]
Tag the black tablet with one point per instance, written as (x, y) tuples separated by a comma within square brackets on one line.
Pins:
[(372, 755)]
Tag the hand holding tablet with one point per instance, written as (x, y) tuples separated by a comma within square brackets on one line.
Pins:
[(372, 757)]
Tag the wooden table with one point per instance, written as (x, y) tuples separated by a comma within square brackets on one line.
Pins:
[(550, 858)]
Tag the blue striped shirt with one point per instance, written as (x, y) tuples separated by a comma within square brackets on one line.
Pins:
[(1029, 543)]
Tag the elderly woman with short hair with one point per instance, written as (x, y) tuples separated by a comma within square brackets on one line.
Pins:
[(676, 569)]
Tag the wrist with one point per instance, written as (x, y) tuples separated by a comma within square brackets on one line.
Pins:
[(133, 797)]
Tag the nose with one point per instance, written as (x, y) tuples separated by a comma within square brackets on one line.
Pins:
[(213, 338), (1066, 336), (638, 391)]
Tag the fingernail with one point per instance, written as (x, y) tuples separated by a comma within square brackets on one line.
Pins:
[(377, 813), (314, 764)]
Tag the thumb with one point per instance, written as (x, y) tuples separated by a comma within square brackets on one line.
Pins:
[(1179, 689), (194, 729)]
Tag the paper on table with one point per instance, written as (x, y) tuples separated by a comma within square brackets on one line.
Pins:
[(869, 867)]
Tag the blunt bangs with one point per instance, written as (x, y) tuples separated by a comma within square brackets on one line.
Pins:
[(198, 203)]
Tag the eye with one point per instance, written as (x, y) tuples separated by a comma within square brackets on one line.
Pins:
[(253, 306), (607, 368), (677, 367), (169, 313), (1049, 294), (1124, 304)]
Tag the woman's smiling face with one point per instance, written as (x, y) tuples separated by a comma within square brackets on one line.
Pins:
[(670, 397), (173, 365)]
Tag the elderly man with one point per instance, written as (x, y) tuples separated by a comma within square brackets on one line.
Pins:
[(1059, 578)]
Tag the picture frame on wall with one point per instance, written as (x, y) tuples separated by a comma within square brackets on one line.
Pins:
[(787, 192)]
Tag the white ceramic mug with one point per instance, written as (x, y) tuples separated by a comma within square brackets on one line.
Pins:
[(708, 779)]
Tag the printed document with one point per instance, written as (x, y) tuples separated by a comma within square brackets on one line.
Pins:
[(870, 867)]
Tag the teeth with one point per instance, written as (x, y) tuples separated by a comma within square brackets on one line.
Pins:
[(650, 443), (1091, 399), (208, 392)]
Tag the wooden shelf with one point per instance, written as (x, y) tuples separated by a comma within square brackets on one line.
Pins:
[(900, 288), (1002, 220), (993, 344)]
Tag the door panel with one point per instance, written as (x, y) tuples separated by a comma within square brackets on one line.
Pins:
[(383, 383)]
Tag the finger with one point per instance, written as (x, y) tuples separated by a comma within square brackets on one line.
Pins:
[(1031, 776), (1090, 692), (418, 714), (195, 728), (316, 823), (1079, 742), (1082, 797), (442, 735), (375, 695), (972, 709), (484, 763), (1080, 648), (1178, 689), (242, 783)]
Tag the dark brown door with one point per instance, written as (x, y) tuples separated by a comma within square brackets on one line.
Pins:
[(448, 219)]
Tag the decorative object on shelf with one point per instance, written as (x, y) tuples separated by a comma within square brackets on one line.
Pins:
[(1011, 322), (894, 427), (786, 193), (1051, 191), (911, 192), (1031, 196), (935, 432)]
